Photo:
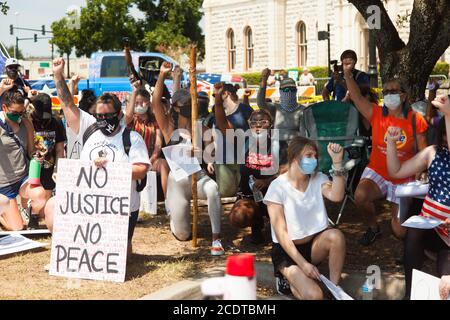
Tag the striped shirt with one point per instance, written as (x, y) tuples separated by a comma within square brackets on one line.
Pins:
[(437, 201)]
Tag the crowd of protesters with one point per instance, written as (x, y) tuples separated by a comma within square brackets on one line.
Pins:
[(274, 173)]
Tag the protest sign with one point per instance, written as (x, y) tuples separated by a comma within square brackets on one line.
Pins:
[(180, 161), (17, 243), (424, 286), (90, 233)]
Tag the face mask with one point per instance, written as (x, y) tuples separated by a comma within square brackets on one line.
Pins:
[(12, 73), (392, 101), (288, 100), (308, 165), (108, 126), (14, 117), (141, 109)]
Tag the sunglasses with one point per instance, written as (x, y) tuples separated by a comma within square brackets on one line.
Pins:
[(259, 123), (20, 114), (103, 116)]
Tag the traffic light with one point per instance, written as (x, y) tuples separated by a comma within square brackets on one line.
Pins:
[(35, 37), (11, 29), (43, 30)]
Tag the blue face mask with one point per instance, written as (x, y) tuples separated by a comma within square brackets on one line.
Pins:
[(308, 165)]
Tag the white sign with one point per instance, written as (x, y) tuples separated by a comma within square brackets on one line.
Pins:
[(17, 243), (420, 222), (90, 233), (22, 232), (149, 196), (424, 286), (180, 161)]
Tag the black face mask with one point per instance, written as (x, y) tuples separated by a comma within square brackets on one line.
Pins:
[(108, 126), (12, 73)]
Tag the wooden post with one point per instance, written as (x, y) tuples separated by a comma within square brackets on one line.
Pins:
[(193, 80)]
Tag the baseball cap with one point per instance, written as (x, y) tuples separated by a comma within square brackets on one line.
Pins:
[(42, 104), (11, 62), (288, 83)]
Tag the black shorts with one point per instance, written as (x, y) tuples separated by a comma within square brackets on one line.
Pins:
[(47, 181), (281, 259)]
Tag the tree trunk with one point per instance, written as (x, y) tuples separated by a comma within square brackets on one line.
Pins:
[(429, 37)]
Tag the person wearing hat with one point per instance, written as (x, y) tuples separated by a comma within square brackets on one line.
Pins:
[(176, 126), (307, 79), (229, 115), (337, 86), (49, 139), (287, 114), (12, 67)]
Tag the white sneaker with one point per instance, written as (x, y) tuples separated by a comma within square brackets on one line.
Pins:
[(217, 249)]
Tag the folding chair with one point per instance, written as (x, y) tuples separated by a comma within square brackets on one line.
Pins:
[(338, 122)]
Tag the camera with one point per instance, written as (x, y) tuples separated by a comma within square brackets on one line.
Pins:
[(336, 66)]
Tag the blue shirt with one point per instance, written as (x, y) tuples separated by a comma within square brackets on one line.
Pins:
[(339, 91)]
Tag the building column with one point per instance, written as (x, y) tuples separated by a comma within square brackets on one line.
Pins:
[(276, 33)]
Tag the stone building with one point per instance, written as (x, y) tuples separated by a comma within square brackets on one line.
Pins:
[(249, 35)]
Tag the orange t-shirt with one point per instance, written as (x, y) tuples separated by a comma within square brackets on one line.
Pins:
[(405, 145)]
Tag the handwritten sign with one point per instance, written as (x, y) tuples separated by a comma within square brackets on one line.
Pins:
[(149, 196), (90, 233), (180, 161)]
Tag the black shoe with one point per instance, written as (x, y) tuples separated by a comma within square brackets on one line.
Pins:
[(369, 237), (283, 286), (33, 223)]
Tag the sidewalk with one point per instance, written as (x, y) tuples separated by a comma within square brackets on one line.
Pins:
[(392, 285)]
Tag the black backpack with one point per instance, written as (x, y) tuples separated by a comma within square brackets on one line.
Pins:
[(140, 184)]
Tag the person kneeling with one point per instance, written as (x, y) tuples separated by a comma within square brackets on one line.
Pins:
[(300, 234)]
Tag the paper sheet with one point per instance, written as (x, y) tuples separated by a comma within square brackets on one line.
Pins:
[(424, 286), (420, 222), (33, 232), (17, 243), (336, 291), (412, 189), (181, 164)]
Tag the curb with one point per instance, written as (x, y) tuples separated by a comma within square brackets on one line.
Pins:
[(392, 285)]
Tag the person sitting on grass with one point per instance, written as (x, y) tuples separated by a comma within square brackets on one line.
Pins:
[(258, 162), (436, 159), (300, 234)]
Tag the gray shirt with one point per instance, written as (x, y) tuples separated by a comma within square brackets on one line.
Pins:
[(13, 164)]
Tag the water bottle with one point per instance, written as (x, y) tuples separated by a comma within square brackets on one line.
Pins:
[(367, 291), (34, 173), (257, 194)]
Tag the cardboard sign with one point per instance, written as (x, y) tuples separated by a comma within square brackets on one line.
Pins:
[(424, 286), (90, 233)]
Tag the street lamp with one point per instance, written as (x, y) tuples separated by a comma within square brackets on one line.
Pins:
[(16, 48), (326, 35)]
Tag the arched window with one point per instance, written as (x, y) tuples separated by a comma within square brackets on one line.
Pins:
[(231, 44), (249, 55), (302, 46)]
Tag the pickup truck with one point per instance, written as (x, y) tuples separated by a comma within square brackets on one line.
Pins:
[(108, 71)]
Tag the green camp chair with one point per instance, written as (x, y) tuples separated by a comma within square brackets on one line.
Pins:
[(338, 122)]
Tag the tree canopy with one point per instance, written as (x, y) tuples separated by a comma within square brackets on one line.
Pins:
[(102, 25), (429, 38)]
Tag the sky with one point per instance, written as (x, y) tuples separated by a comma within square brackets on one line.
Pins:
[(33, 14)]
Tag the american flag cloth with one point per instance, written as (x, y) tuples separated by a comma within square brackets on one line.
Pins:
[(437, 201)]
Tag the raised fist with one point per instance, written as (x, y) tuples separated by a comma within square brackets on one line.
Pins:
[(265, 74), (58, 66), (166, 68)]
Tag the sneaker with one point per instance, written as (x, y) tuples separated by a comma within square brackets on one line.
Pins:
[(143, 216), (283, 286), (217, 249), (369, 237)]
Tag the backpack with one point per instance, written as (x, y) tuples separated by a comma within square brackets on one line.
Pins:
[(126, 140)]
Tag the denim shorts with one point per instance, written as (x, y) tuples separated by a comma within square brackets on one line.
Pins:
[(12, 191)]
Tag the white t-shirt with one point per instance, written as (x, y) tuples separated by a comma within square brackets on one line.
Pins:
[(304, 212), (112, 148), (73, 144)]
